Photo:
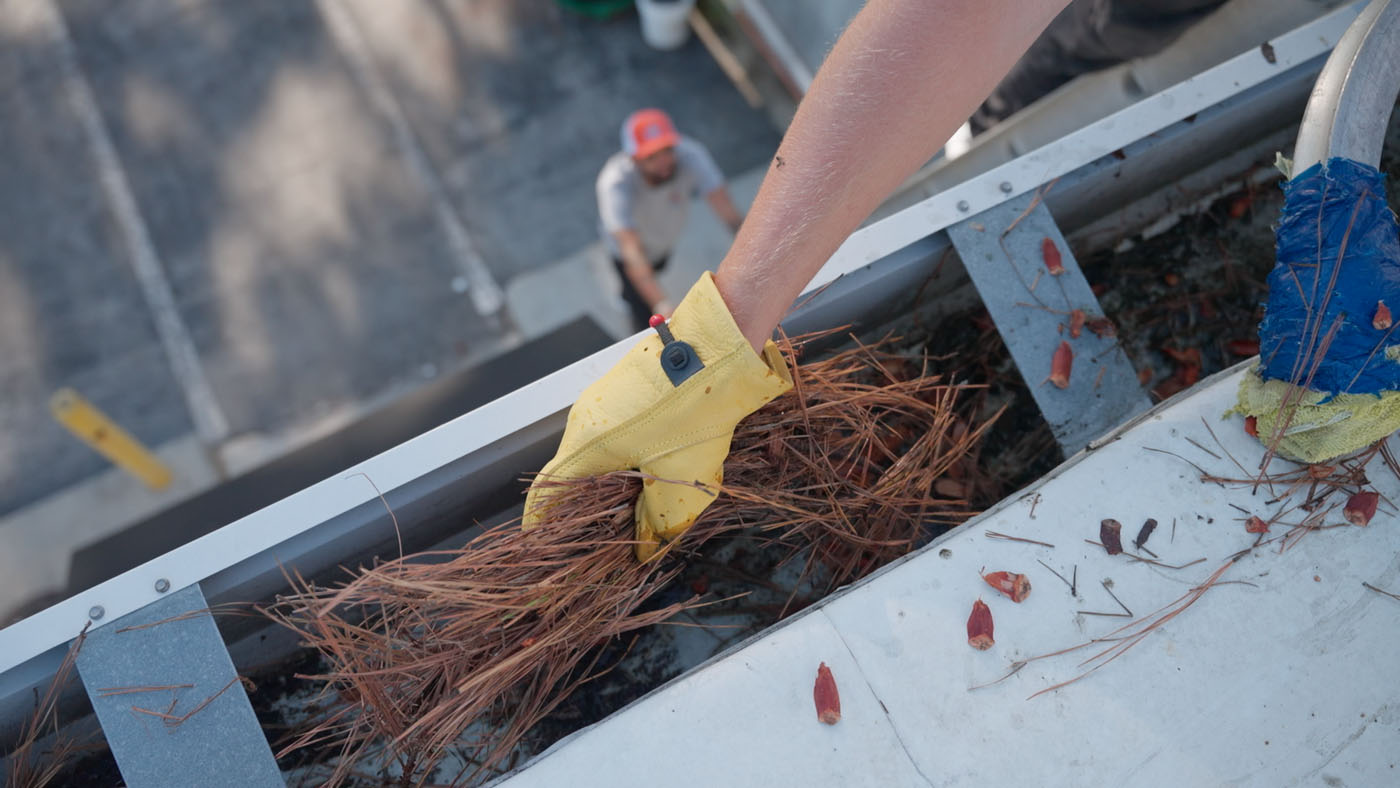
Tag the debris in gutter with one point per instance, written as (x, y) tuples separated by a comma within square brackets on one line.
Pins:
[(518, 616), (1061, 365), (1054, 263)]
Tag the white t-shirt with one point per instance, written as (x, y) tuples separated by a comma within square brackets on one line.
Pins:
[(657, 213)]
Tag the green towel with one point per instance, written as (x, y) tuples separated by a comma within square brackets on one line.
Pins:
[(1317, 431)]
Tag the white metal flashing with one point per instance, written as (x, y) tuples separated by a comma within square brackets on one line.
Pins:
[(1277, 677)]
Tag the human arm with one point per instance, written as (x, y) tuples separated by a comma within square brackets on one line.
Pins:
[(904, 75), (639, 272), (898, 83), (723, 206)]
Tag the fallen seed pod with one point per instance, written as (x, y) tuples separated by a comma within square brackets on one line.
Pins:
[(1382, 319), (1076, 323), (1053, 263), (1110, 533), (826, 697), (1361, 507), (1102, 327), (1016, 586), (1146, 531), (979, 627), (1061, 365), (1321, 471), (1254, 525), (1243, 347)]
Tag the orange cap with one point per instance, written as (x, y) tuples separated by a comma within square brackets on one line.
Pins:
[(647, 131)]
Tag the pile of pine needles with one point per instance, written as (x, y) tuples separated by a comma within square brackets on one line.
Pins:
[(45, 749), (460, 652)]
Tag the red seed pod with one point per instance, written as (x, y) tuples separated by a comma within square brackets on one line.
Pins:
[(1251, 426), (1110, 534), (1239, 206), (1102, 327), (1361, 508), (1243, 347), (1061, 365), (1321, 471), (1382, 319), (1016, 586), (826, 697), (1254, 525), (979, 627), (1189, 374), (1076, 323), (1051, 253)]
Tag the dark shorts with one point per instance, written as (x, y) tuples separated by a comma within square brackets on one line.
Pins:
[(639, 309)]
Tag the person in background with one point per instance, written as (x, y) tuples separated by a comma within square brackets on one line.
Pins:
[(644, 193)]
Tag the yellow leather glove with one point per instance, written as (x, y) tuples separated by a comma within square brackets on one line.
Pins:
[(635, 417)]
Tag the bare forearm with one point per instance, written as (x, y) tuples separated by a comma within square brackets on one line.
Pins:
[(637, 268), (898, 83)]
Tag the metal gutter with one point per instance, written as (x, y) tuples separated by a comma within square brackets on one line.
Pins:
[(444, 473)]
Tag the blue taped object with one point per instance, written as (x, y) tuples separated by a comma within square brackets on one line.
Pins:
[(1326, 206)]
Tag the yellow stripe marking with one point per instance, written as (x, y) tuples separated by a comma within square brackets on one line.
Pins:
[(93, 427)]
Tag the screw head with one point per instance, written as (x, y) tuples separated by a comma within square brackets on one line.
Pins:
[(162, 585), (1006, 187), (96, 612), (963, 206)]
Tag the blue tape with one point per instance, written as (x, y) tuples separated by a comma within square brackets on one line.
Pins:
[(1317, 283)]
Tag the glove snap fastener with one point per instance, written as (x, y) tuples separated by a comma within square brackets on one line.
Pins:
[(678, 359)]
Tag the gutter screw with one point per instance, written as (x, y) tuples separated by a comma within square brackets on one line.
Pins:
[(96, 612), (162, 585)]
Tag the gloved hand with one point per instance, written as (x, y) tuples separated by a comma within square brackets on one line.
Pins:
[(634, 417)]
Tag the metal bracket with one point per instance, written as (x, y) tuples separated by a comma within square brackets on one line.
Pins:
[(170, 704), (1004, 250)]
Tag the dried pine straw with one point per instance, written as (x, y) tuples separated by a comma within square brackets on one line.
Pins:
[(467, 649), (29, 764)]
